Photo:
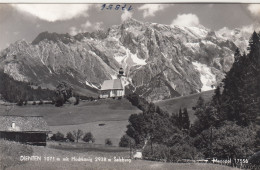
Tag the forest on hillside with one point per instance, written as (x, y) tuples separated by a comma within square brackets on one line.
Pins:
[(14, 91)]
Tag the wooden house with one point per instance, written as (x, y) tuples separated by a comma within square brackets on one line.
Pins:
[(24, 129)]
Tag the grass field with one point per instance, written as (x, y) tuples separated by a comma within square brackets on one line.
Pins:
[(173, 105), (87, 116), (109, 129), (85, 112), (99, 165)]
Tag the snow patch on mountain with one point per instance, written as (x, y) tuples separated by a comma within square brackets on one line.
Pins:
[(135, 59), (113, 76), (130, 59), (207, 78), (91, 85), (199, 32)]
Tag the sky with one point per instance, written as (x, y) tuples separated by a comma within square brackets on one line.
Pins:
[(26, 21)]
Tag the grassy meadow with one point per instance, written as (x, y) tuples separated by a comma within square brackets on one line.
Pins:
[(173, 105), (113, 130), (62, 152), (103, 118)]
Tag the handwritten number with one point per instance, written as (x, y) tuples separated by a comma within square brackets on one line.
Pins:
[(117, 7), (123, 7), (103, 6), (130, 8), (110, 7)]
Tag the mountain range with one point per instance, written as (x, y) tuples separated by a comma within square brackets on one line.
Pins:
[(160, 61)]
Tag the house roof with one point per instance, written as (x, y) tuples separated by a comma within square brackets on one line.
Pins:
[(23, 123), (114, 84)]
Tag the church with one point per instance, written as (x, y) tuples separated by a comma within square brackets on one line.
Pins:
[(114, 87)]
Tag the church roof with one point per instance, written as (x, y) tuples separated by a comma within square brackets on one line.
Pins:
[(114, 84)]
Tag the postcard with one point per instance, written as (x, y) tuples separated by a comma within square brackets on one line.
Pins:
[(129, 86)]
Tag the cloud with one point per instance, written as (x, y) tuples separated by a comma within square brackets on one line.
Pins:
[(86, 27), (73, 31), (151, 9), (251, 28), (254, 9), (186, 20), (126, 15), (54, 12), (98, 26)]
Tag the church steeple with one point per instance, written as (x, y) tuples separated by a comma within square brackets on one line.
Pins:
[(120, 73)]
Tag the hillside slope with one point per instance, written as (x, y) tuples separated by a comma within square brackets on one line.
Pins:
[(174, 105)]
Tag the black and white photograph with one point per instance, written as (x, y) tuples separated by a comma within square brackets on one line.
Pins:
[(129, 86)]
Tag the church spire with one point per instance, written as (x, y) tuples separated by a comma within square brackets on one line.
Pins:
[(120, 73)]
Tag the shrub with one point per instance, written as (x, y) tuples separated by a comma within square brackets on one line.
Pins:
[(70, 137), (108, 142), (72, 100), (158, 152), (88, 137), (77, 101), (172, 154), (58, 136), (20, 102), (126, 141), (41, 102), (59, 101), (34, 103)]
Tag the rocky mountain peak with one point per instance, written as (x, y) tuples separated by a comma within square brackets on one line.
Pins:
[(54, 37), (186, 59)]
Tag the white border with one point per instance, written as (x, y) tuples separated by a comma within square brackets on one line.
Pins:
[(127, 1)]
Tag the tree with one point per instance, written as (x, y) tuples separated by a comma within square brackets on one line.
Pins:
[(108, 142), (58, 136), (77, 134), (180, 122), (63, 92), (126, 141), (240, 97), (253, 42), (233, 141), (88, 137), (137, 128), (70, 136), (237, 55), (185, 119)]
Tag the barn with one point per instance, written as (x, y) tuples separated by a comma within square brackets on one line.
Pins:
[(111, 88), (31, 130)]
